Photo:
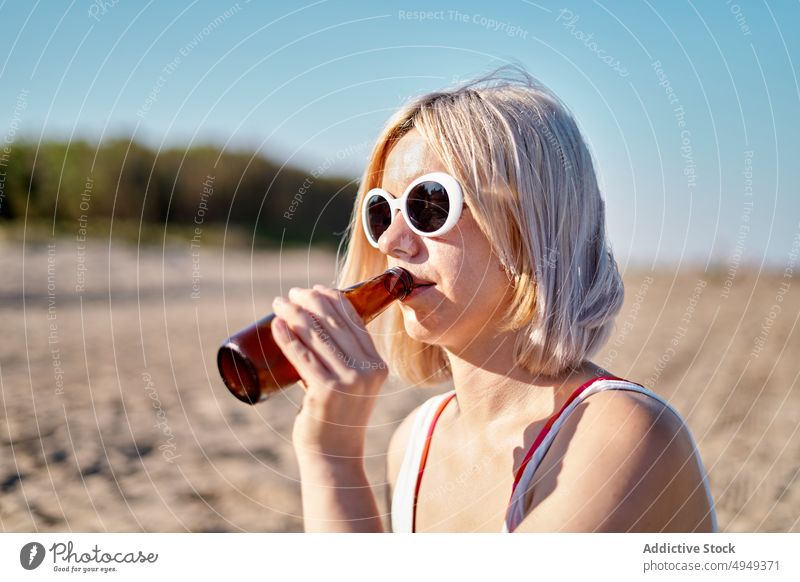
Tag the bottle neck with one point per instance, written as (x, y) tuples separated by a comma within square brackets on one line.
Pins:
[(371, 297)]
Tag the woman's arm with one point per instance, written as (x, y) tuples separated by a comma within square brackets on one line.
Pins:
[(326, 341), (337, 496)]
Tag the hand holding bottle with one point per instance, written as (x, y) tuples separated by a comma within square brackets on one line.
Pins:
[(252, 364), (325, 339)]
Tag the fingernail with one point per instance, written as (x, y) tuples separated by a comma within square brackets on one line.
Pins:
[(278, 301)]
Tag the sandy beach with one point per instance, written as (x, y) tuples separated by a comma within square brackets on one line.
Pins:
[(113, 416)]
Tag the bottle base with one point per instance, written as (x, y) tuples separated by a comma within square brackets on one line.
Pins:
[(238, 374)]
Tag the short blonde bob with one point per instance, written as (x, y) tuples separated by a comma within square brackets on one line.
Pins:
[(529, 181)]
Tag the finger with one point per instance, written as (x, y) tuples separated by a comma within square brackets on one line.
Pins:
[(308, 327), (304, 360), (350, 316), (315, 302), (333, 319)]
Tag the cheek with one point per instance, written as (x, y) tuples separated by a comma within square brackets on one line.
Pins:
[(472, 299), (480, 292), (471, 290), (475, 279), (481, 299)]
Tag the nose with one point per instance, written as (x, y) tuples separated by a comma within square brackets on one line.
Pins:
[(399, 240)]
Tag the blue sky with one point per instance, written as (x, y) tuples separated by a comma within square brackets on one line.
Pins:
[(311, 84)]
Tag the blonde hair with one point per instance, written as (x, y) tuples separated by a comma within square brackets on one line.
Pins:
[(529, 181)]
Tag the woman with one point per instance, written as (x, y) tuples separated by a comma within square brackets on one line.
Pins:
[(487, 194)]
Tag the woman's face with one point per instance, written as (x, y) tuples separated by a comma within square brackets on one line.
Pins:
[(462, 309)]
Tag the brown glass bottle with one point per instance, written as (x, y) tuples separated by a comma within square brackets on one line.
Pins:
[(253, 366)]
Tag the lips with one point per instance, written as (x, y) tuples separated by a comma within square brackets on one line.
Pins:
[(417, 291), (420, 282)]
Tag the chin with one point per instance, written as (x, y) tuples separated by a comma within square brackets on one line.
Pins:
[(423, 330)]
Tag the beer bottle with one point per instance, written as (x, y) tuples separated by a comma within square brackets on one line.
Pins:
[(253, 366)]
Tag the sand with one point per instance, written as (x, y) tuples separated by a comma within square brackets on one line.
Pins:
[(113, 416)]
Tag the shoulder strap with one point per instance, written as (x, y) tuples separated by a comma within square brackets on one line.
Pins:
[(404, 496), (546, 428), (517, 508), (424, 457)]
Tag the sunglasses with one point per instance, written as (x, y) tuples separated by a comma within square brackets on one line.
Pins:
[(431, 206)]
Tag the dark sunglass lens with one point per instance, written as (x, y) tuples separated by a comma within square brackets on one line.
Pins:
[(428, 206), (379, 215)]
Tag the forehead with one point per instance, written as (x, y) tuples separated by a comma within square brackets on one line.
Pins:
[(409, 158)]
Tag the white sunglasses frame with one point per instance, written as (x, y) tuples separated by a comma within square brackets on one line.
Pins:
[(454, 195)]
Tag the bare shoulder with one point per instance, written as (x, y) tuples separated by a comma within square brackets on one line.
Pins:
[(622, 461), (626, 413)]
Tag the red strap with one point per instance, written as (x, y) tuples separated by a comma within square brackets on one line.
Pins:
[(425, 457), (528, 456), (549, 424)]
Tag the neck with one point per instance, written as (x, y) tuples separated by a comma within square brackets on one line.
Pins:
[(491, 389)]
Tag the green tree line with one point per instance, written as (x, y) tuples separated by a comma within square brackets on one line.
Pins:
[(122, 180)]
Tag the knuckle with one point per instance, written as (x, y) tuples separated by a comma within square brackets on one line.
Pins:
[(302, 297), (341, 299), (305, 355), (296, 331), (350, 377), (323, 290), (316, 298), (316, 324), (340, 296), (287, 309), (333, 323), (293, 348)]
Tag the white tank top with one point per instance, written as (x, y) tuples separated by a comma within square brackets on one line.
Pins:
[(406, 487)]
